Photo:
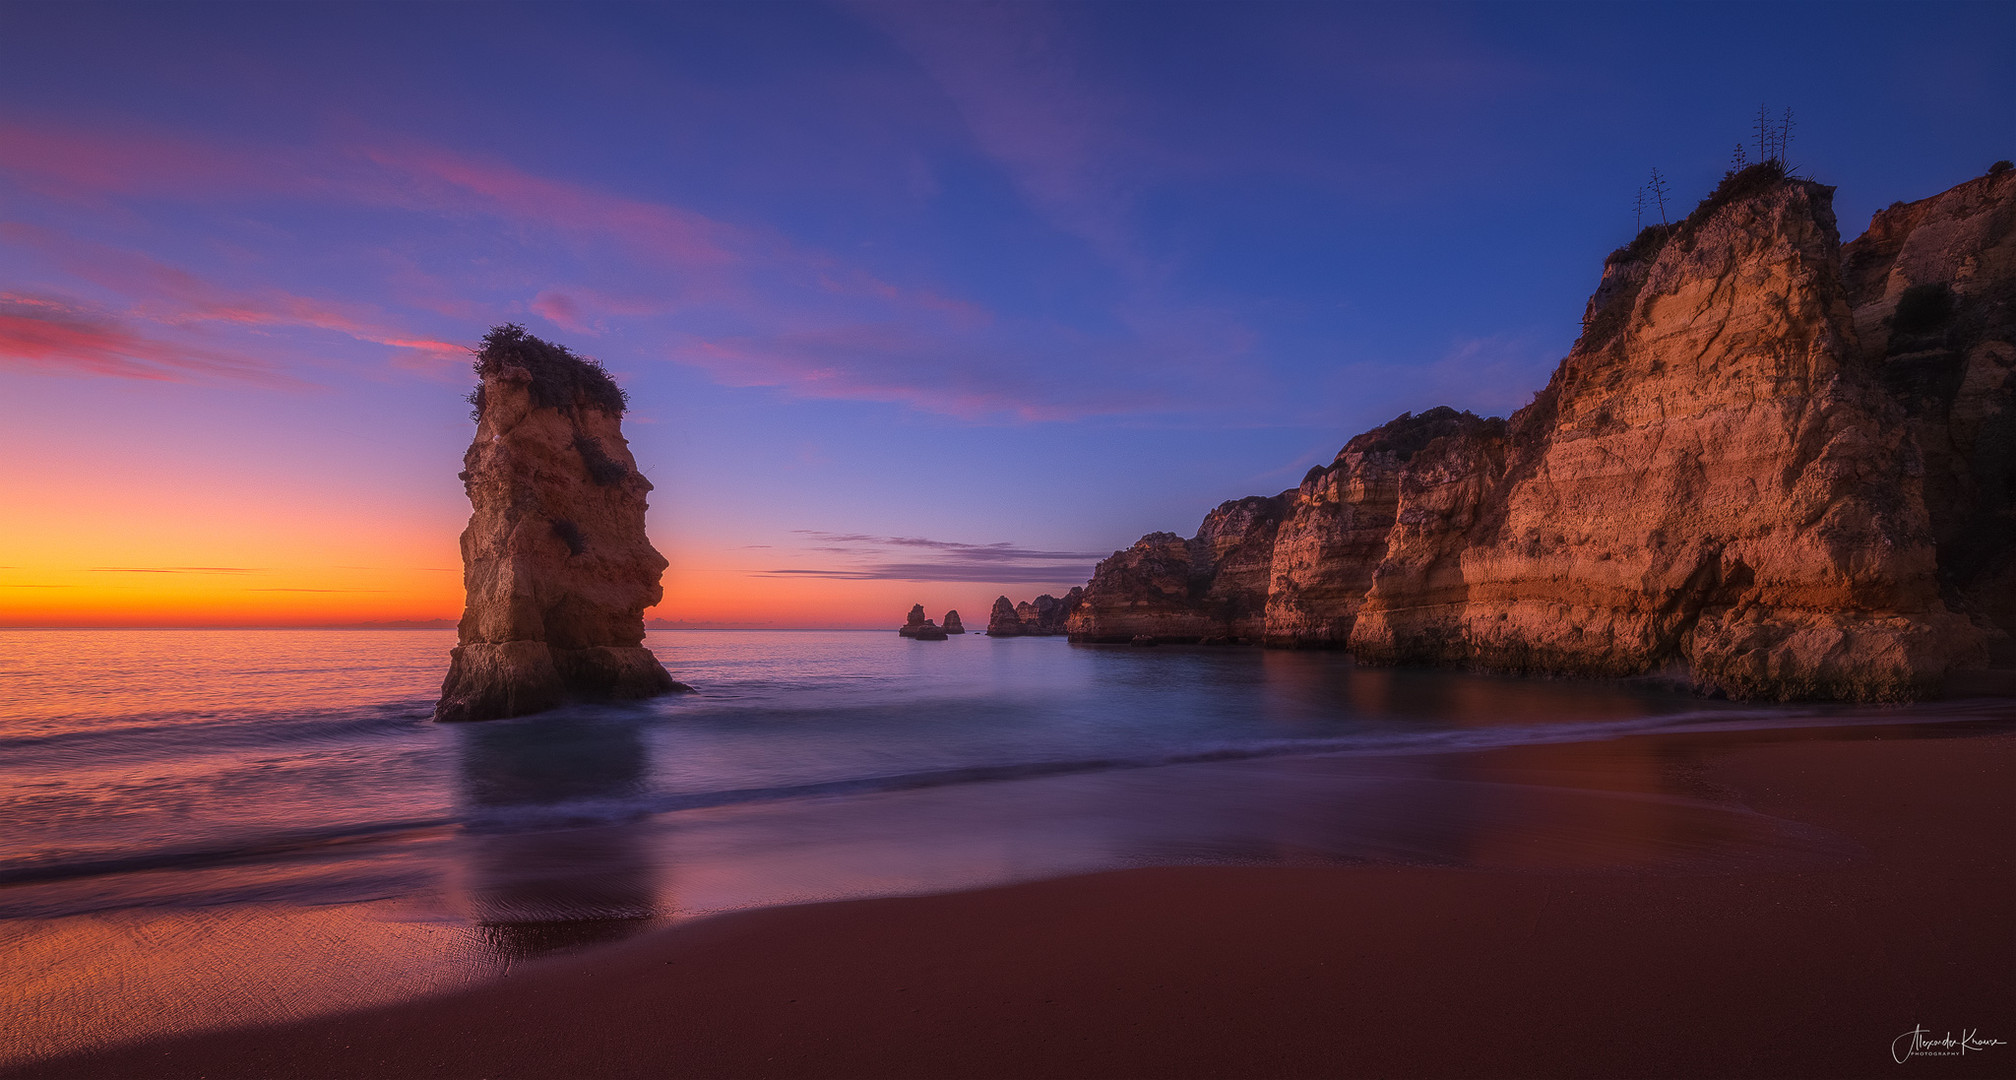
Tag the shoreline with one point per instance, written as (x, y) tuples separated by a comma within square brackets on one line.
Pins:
[(1371, 969)]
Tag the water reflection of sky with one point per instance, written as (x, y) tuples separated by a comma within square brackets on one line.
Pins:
[(234, 858)]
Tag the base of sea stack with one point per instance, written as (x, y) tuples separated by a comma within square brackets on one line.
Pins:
[(490, 681)]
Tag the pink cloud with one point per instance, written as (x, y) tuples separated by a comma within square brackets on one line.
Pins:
[(51, 337), (173, 296), (848, 333), (899, 364), (453, 180), (560, 309), (65, 162), (413, 176)]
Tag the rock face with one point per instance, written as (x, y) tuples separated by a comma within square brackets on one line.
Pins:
[(1334, 535), (915, 623), (1001, 622), (1045, 617), (1932, 286), (1770, 467), (1714, 480), (952, 623), (1210, 588), (555, 560)]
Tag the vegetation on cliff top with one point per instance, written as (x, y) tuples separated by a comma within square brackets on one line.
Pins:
[(560, 379)]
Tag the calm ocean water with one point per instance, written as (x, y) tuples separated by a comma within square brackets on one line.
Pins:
[(212, 780)]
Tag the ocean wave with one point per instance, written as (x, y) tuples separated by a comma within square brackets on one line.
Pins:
[(585, 812), (234, 851), (594, 811), (208, 730)]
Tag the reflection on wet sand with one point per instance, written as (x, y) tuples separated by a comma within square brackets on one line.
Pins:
[(534, 886), (1625, 805)]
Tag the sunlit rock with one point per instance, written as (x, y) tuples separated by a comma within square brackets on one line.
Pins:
[(555, 561)]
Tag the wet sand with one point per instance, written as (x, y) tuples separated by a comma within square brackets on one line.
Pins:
[(1371, 970)]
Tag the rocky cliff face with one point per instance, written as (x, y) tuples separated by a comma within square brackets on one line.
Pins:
[(1717, 482), (1210, 588), (1336, 526), (1044, 617), (555, 560), (952, 623), (1932, 289), (1762, 469)]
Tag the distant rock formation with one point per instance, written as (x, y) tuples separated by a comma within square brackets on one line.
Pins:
[(915, 623), (1045, 617), (930, 631), (952, 623), (1212, 588), (1771, 466), (555, 561), (1001, 622)]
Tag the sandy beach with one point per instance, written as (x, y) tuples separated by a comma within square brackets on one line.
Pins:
[(1326, 971)]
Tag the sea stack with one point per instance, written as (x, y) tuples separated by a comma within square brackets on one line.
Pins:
[(952, 623), (915, 623), (555, 561)]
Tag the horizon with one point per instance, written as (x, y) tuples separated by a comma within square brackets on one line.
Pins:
[(914, 304)]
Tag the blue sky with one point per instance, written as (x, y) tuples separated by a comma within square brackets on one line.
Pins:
[(1015, 282)]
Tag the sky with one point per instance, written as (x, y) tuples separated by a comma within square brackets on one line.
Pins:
[(915, 303)]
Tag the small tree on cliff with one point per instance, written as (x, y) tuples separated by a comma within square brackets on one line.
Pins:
[(1774, 135), (1657, 186)]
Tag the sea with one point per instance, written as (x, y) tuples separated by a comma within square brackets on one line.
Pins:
[(202, 827)]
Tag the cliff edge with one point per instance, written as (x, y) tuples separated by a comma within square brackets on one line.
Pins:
[(1772, 466), (555, 561)]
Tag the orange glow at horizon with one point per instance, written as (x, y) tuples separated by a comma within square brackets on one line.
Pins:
[(199, 595), (162, 535)]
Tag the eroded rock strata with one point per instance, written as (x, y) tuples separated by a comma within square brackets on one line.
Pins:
[(1932, 286), (1209, 588), (952, 623), (1334, 534), (1046, 616), (1764, 468), (556, 563), (915, 623)]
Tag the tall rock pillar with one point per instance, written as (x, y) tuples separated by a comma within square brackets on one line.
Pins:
[(555, 560)]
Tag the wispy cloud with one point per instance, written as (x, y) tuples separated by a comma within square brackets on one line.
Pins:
[(1030, 104), (172, 297), (882, 558), (176, 570), (51, 336), (738, 301)]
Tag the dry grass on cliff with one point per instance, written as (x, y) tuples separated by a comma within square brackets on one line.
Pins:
[(560, 379)]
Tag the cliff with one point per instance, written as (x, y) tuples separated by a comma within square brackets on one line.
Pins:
[(1715, 480), (952, 623), (1044, 617), (1771, 466), (556, 565), (1210, 588), (1932, 289), (1336, 527)]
